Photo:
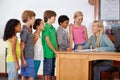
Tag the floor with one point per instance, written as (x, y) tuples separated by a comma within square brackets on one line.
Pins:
[(5, 78)]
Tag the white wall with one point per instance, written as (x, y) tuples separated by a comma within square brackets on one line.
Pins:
[(14, 8)]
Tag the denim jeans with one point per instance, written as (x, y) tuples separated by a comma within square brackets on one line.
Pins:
[(100, 66), (49, 66), (76, 45)]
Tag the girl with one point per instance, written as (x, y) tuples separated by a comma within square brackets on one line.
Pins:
[(78, 32), (99, 42), (38, 49), (13, 26)]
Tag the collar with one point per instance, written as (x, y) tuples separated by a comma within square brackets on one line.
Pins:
[(62, 28), (26, 28), (49, 26)]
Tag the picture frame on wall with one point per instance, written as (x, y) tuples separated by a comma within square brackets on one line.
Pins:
[(109, 9)]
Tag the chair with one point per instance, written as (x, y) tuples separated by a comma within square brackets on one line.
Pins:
[(113, 72), (115, 68)]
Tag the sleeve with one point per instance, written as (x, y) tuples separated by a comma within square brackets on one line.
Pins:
[(109, 45), (88, 44), (59, 37), (23, 35), (45, 33)]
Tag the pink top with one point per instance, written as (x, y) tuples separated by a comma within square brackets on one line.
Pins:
[(78, 34)]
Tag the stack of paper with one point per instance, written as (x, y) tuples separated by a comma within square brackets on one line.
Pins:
[(85, 50)]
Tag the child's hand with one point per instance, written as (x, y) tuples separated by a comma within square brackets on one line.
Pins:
[(17, 66), (24, 63), (69, 49), (80, 48), (55, 51)]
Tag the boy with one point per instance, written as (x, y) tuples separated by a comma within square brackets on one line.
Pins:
[(49, 44), (62, 33), (27, 48)]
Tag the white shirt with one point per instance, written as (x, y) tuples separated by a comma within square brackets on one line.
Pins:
[(38, 50)]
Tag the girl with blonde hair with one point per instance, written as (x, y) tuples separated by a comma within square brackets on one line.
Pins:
[(99, 42), (78, 31)]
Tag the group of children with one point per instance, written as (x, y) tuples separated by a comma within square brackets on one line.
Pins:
[(37, 46)]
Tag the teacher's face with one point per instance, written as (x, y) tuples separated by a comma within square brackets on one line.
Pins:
[(95, 28)]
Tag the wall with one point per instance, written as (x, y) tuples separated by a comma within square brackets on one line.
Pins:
[(14, 8)]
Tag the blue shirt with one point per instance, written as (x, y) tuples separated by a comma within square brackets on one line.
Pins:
[(105, 43)]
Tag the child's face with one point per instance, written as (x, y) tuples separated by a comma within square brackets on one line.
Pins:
[(95, 28), (41, 26), (18, 28), (64, 24), (32, 20), (52, 19), (79, 19)]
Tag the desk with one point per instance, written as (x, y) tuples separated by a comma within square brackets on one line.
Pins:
[(75, 65)]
